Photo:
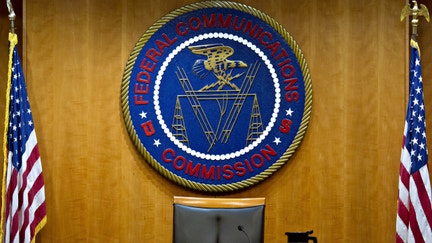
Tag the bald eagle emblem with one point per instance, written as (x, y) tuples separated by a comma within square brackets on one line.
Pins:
[(218, 63)]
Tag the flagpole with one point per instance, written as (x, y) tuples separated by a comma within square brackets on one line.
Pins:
[(11, 16), (415, 12), (12, 42)]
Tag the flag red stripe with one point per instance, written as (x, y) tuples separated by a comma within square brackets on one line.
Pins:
[(399, 239), (423, 195), (404, 175), (24, 190), (414, 226), (39, 216), (403, 213), (13, 221), (31, 196), (10, 188)]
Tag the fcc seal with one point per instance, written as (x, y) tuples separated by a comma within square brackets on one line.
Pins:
[(216, 96)]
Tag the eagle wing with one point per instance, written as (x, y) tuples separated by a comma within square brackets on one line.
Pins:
[(406, 11), (424, 12), (200, 69), (213, 51)]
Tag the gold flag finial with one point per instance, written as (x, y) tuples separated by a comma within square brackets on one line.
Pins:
[(415, 12), (11, 15)]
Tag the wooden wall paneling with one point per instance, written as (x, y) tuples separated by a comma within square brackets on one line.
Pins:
[(391, 105), (57, 51), (104, 27), (342, 181)]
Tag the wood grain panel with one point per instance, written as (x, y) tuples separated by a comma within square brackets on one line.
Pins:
[(342, 181)]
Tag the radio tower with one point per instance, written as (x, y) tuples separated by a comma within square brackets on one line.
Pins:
[(178, 125), (255, 124)]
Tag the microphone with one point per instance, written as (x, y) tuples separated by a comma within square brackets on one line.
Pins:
[(241, 228)]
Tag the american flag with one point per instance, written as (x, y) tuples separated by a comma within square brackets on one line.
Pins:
[(414, 213), (24, 202)]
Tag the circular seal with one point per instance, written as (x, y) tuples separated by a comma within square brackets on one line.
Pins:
[(216, 96)]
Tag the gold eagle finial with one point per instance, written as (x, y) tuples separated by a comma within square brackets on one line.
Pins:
[(415, 12)]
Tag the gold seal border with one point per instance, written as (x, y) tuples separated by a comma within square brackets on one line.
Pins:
[(202, 186)]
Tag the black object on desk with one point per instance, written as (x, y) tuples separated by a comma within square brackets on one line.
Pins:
[(301, 237)]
